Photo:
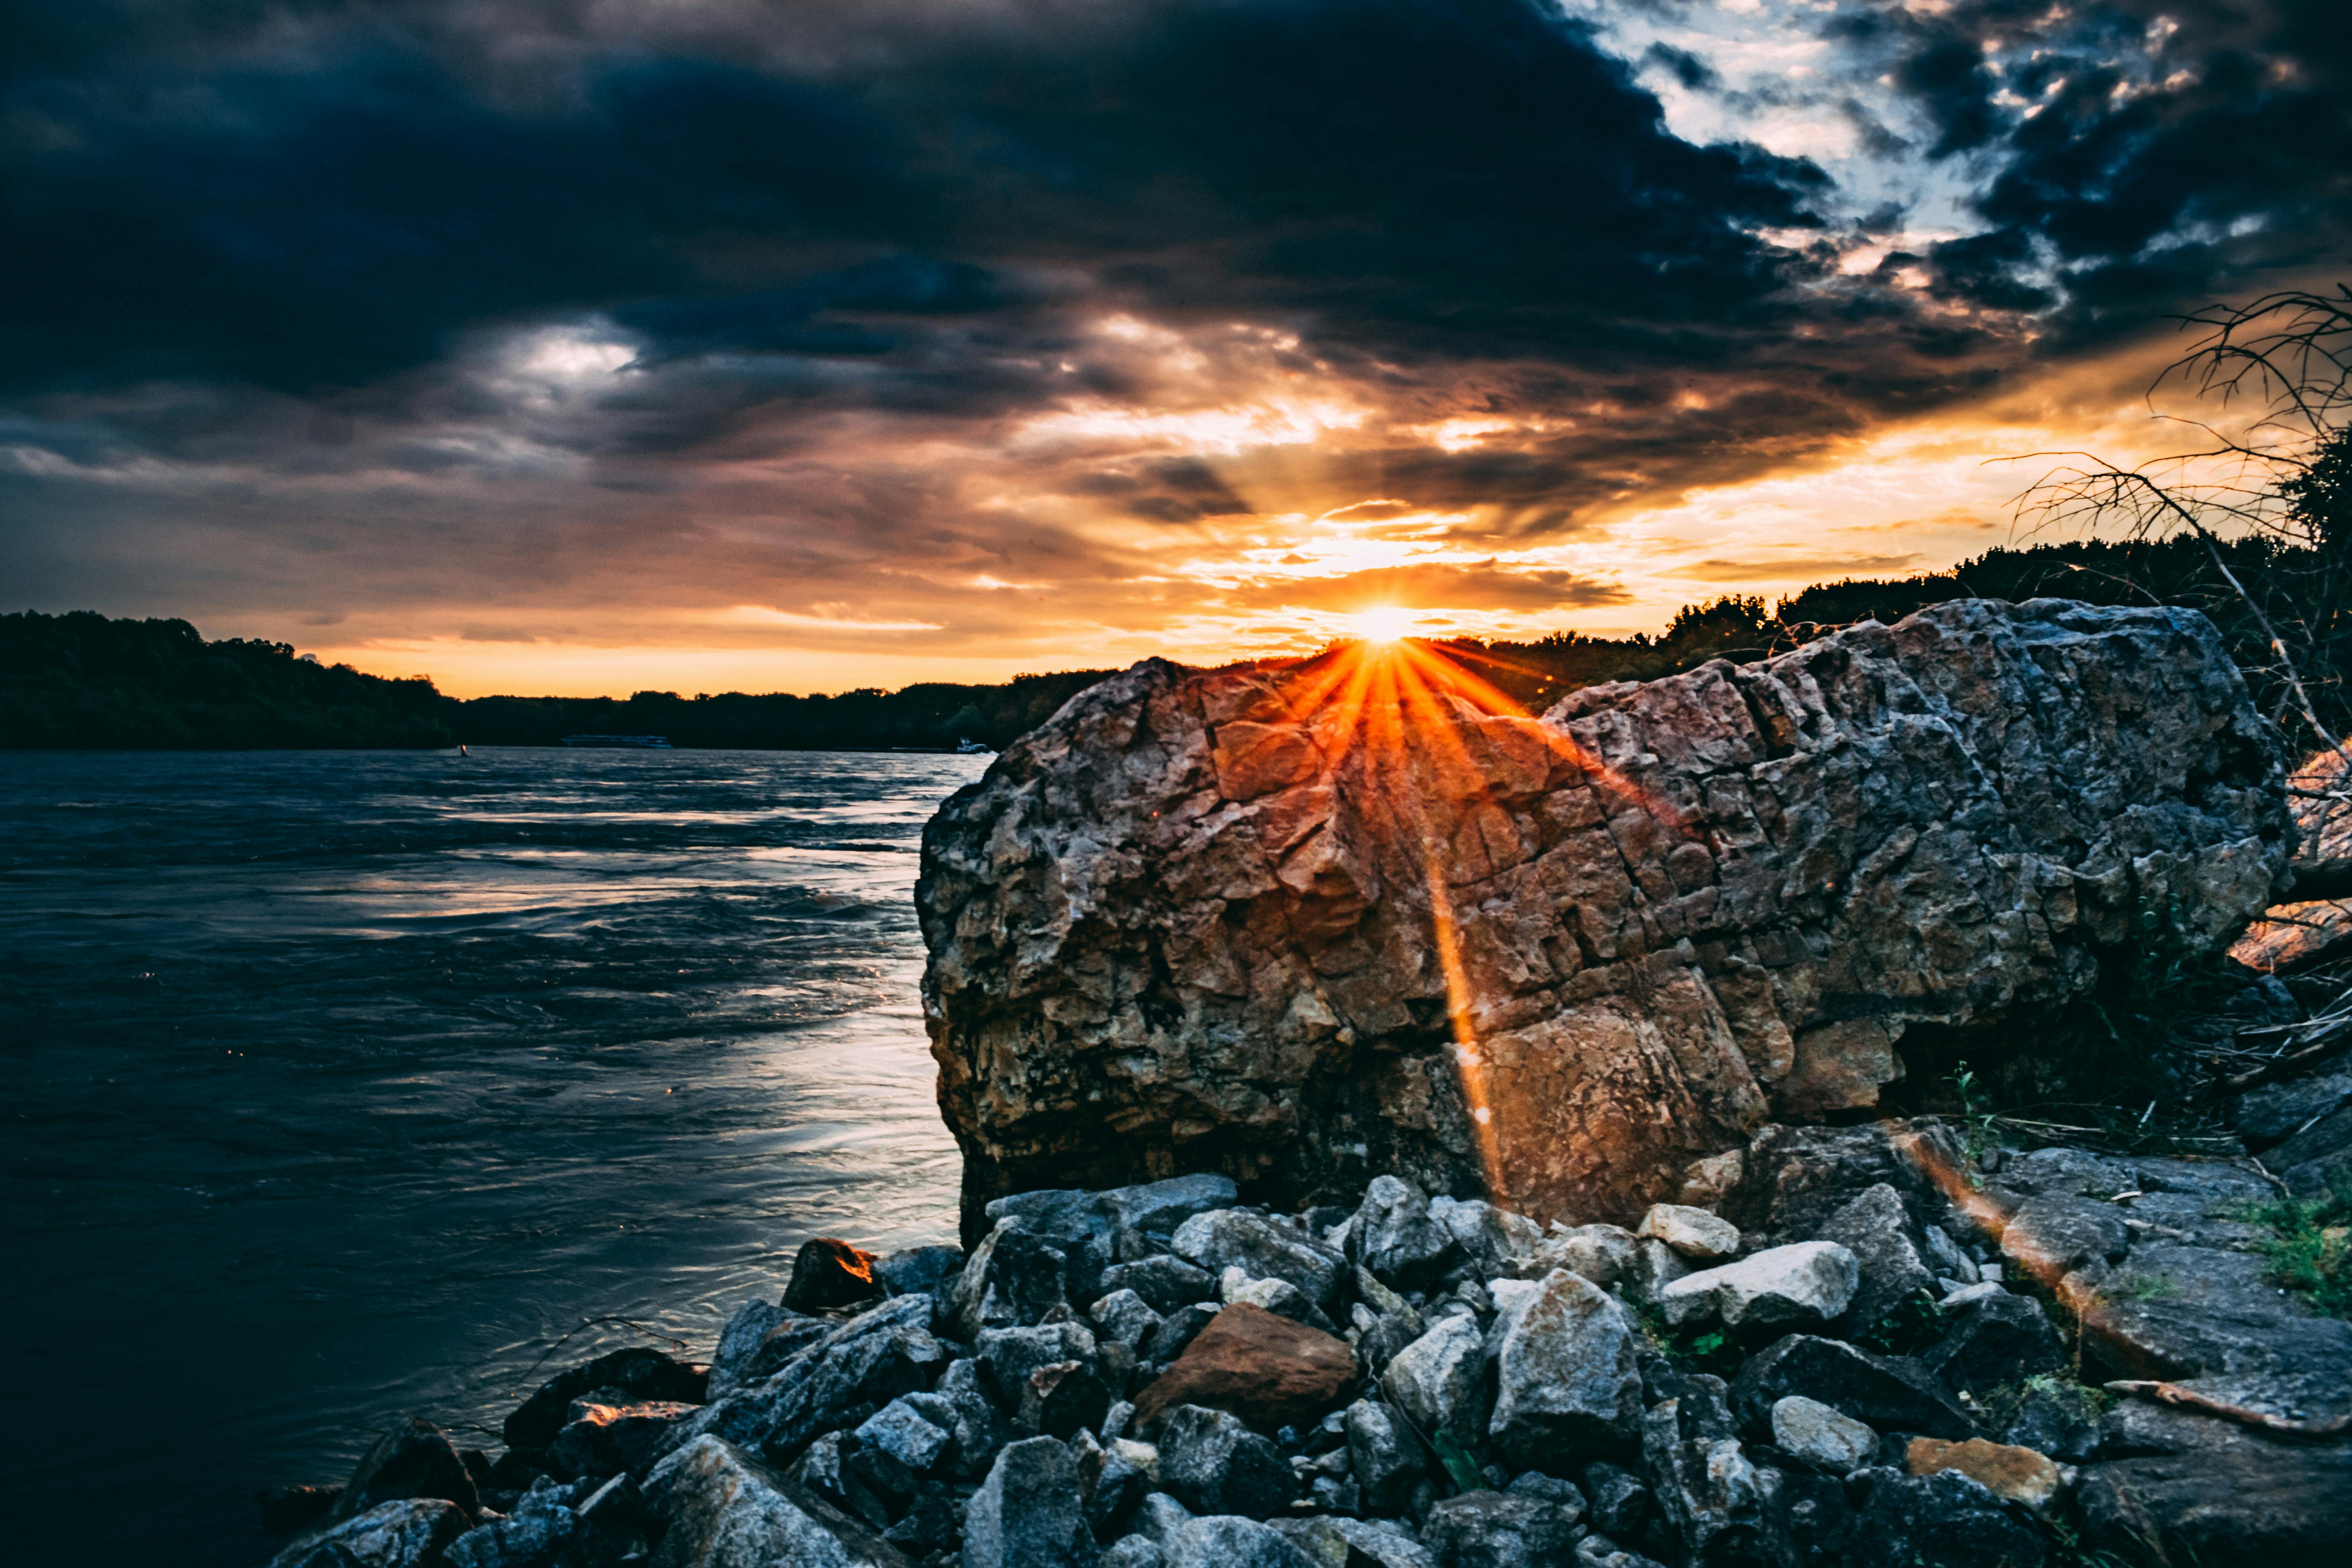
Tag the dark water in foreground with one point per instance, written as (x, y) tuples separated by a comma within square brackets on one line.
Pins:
[(339, 1085)]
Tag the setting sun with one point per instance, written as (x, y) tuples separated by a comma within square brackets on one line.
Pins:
[(1382, 623)]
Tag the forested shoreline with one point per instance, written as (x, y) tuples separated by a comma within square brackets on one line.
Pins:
[(83, 681)]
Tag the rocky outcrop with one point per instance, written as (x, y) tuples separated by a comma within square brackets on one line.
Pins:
[(1303, 923)]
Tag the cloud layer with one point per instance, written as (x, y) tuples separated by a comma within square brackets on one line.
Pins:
[(1025, 331)]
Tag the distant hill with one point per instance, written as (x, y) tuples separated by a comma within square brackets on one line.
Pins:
[(83, 680)]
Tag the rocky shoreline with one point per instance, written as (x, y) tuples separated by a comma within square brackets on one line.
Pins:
[(1209, 937), (1874, 1347)]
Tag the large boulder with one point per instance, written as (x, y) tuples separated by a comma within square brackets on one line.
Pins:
[(1194, 921)]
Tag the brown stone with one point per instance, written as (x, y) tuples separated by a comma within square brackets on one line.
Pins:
[(1238, 921), (2021, 1474), (1267, 1369), (829, 1273)]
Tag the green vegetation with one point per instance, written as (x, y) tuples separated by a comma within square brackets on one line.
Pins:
[(1907, 1327), (81, 680), (2309, 1244)]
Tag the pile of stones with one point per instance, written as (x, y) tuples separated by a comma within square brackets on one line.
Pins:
[(1867, 1351)]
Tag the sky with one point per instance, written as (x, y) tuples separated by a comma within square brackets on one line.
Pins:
[(581, 346)]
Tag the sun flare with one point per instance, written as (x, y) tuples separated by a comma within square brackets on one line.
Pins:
[(1382, 623)]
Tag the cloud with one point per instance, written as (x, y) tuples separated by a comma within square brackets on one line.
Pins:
[(1484, 585), (520, 315), (1798, 568)]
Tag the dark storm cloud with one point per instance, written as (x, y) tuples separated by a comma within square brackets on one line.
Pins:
[(1451, 178), (2140, 155)]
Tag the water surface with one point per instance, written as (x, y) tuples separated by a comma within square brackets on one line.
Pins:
[(343, 1085)]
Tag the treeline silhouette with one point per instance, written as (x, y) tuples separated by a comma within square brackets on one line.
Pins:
[(2178, 570), (932, 716), (81, 680)]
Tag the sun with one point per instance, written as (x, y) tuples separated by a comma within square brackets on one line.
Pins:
[(1382, 623)]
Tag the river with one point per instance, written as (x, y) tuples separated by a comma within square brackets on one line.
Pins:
[(341, 1086)]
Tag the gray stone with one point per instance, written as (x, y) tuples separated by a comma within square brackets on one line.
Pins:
[(2209, 1491), (868, 1361), (745, 1334), (1655, 1267), (1804, 1283), (1944, 1257), (1010, 1355), (1158, 1516), (1876, 1226), (920, 1270), (1439, 1382), (916, 1429), (2270, 1115), (1808, 1430), (1394, 1237), (1618, 1499), (636, 1373), (1178, 1330), (1796, 1177), (1604, 1254), (534, 1532), (1892, 1393), (1060, 1398), (1492, 1240), (1377, 1543), (1227, 1540), (1942, 1521), (1998, 1341), (1214, 1464), (1695, 1234), (1132, 1552), (607, 1439), (1314, 1539), (977, 1426), (1387, 1460), (2205, 1316), (1567, 1384), (2050, 1237), (1152, 1208), (1280, 1297), (1600, 1552), (1501, 1530), (1028, 1514), (1956, 813), (1236, 1238), (1125, 1318), (2057, 1418), (1711, 1495), (407, 1532), (1014, 1277), (723, 1509), (1164, 1281), (413, 1459)]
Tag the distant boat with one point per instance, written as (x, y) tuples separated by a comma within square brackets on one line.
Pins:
[(974, 748), (640, 743)]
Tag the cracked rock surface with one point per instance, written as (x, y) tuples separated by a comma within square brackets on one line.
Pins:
[(1188, 923)]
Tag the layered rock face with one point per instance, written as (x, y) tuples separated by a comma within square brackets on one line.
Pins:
[(1300, 924)]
